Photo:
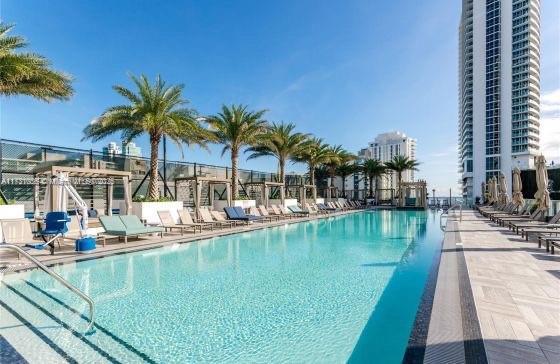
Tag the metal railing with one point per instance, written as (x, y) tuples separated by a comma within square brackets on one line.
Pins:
[(446, 213), (61, 280)]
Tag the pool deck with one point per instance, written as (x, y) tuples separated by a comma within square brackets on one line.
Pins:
[(9, 261), (497, 297)]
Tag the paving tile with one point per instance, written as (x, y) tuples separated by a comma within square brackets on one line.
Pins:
[(516, 288)]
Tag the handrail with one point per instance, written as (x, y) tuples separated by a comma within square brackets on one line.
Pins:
[(56, 276), (446, 212)]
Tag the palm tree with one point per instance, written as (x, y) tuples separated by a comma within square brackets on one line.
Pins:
[(373, 169), (345, 170), (236, 127), (29, 73), (338, 157), (280, 142), (314, 152), (400, 164), (155, 109)]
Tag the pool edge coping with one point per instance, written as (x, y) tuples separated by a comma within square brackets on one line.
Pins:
[(473, 349)]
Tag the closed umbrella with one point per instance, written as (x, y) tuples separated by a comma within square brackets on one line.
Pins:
[(495, 189), (542, 195), (517, 196), (483, 191), (504, 197)]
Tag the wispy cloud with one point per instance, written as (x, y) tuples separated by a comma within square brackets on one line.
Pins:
[(550, 125)]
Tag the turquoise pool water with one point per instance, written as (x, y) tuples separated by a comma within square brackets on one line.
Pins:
[(327, 291)]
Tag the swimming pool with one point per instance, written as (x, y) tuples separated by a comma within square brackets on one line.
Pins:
[(328, 290)]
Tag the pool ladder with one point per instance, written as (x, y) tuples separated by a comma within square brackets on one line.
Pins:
[(61, 280), (446, 213)]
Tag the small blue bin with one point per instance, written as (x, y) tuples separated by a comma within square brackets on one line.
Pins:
[(85, 244)]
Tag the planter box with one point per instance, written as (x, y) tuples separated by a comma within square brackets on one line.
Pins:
[(220, 204), (11, 212), (147, 211)]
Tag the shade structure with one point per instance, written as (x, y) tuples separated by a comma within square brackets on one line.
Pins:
[(517, 195), (504, 196), (542, 195)]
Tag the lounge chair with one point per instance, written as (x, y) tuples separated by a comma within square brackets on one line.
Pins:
[(288, 212), (127, 225), (237, 213), (324, 207), (537, 227), (277, 212), (264, 212), (297, 210), (521, 212), (206, 217), (18, 232), (255, 212), (511, 222), (219, 217), (167, 222), (551, 241), (186, 220), (313, 210)]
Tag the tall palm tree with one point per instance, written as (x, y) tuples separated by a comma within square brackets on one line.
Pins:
[(314, 152), (338, 157), (29, 74), (155, 109), (280, 142), (373, 169), (345, 170), (400, 164), (237, 127)]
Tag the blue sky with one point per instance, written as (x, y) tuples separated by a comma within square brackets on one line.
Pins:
[(344, 70)]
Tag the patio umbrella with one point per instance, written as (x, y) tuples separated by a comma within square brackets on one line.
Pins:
[(483, 191), (517, 196), (504, 197), (542, 195)]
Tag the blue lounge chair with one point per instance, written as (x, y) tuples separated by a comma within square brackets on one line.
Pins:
[(237, 213)]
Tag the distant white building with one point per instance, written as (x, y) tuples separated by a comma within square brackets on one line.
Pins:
[(112, 149), (128, 149), (383, 148), (131, 149)]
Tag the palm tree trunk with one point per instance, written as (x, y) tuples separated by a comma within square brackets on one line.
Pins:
[(399, 178), (153, 185), (312, 175), (371, 186), (343, 176), (281, 165), (234, 178)]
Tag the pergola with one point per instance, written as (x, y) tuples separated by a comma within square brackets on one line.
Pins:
[(52, 194), (418, 189), (331, 191), (196, 183), (265, 189), (303, 188)]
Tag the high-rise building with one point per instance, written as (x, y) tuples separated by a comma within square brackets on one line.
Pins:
[(131, 149), (383, 148), (112, 149), (499, 89)]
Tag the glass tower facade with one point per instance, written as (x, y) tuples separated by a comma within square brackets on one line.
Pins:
[(499, 89)]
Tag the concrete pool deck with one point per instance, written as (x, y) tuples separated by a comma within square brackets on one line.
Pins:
[(495, 292)]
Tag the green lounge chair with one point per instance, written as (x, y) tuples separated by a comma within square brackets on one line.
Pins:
[(127, 225)]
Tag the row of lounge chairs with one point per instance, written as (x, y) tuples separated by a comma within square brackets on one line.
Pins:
[(521, 220), (18, 231)]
